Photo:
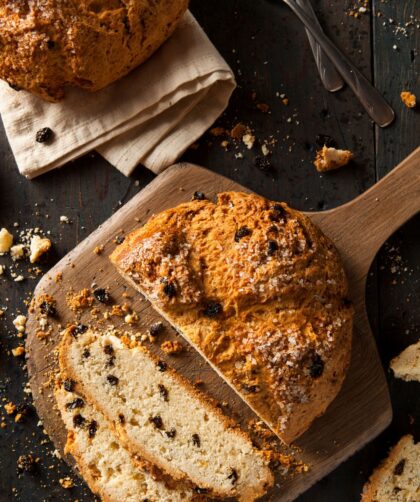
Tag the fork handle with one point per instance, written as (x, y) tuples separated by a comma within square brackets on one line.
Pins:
[(330, 77), (370, 98)]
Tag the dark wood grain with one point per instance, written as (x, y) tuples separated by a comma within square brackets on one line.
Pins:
[(89, 191)]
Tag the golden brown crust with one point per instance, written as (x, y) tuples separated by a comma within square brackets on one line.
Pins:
[(259, 291), (49, 44)]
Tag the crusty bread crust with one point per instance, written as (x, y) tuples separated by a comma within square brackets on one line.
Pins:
[(259, 291), (50, 44), (251, 491)]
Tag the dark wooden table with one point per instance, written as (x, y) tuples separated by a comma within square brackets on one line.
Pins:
[(269, 53)]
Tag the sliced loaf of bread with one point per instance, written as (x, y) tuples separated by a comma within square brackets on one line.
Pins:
[(108, 468), (407, 365), (162, 418), (397, 479)]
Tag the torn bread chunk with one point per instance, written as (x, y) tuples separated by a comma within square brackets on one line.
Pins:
[(329, 158), (407, 365), (6, 240), (166, 420), (38, 247), (409, 99), (109, 469), (397, 479)]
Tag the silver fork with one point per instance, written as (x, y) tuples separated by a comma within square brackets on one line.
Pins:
[(330, 77), (370, 98)]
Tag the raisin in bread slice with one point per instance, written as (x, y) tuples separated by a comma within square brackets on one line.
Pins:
[(397, 479), (162, 418), (407, 365), (108, 468)]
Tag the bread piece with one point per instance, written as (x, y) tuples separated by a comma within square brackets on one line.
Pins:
[(407, 364), (165, 419), (108, 468), (328, 158), (259, 291), (49, 44), (397, 479)]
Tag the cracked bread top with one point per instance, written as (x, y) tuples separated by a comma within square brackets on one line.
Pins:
[(49, 44), (259, 290)]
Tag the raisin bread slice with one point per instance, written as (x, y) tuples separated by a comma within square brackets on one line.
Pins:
[(407, 364), (108, 468), (397, 479), (162, 418)]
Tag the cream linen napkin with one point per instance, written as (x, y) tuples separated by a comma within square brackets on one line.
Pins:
[(150, 116)]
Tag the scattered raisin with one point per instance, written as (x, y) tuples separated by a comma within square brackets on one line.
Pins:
[(44, 135), (48, 308), (86, 353), (196, 440), (156, 329), (163, 391), (78, 330), (26, 463), (199, 196), (78, 420), (325, 139), (162, 366), (92, 428), (119, 239), (101, 295), (272, 247), (121, 418), (109, 349), (171, 433), (317, 367), (242, 232), (399, 468), (156, 421), (69, 385), (112, 380), (213, 309), (77, 403), (250, 389), (278, 213), (169, 289), (233, 475)]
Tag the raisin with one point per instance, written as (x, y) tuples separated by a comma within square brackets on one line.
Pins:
[(119, 239), (69, 385), (272, 247), (200, 491), (92, 428), (278, 213), (109, 349), (199, 196), (156, 421), (86, 353), (48, 308), (26, 463), (112, 380), (250, 389), (101, 295), (121, 418), (196, 440), (14, 87), (78, 330), (317, 367), (50, 44), (213, 309), (325, 139), (233, 475), (162, 366), (77, 403), (163, 391), (78, 420), (156, 329), (399, 468), (169, 289), (171, 433), (44, 135), (263, 164), (242, 232)]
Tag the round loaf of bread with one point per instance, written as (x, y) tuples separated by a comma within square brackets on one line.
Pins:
[(46, 45), (259, 290)]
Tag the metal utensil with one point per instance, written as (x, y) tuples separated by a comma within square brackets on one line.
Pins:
[(370, 98), (330, 77)]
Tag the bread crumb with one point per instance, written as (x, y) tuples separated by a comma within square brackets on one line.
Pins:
[(263, 107), (66, 483), (131, 318), (408, 99), (38, 246), (238, 131), (80, 300), (17, 252), (6, 240), (10, 408), (329, 158), (64, 219), (248, 140), (20, 323), (99, 249), (172, 347), (18, 351)]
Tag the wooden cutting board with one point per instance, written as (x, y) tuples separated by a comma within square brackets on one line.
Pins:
[(362, 409)]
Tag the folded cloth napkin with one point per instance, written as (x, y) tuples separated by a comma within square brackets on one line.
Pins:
[(149, 117)]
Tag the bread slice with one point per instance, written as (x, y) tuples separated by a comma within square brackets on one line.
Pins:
[(162, 418), (397, 479), (407, 364), (108, 468), (259, 291)]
